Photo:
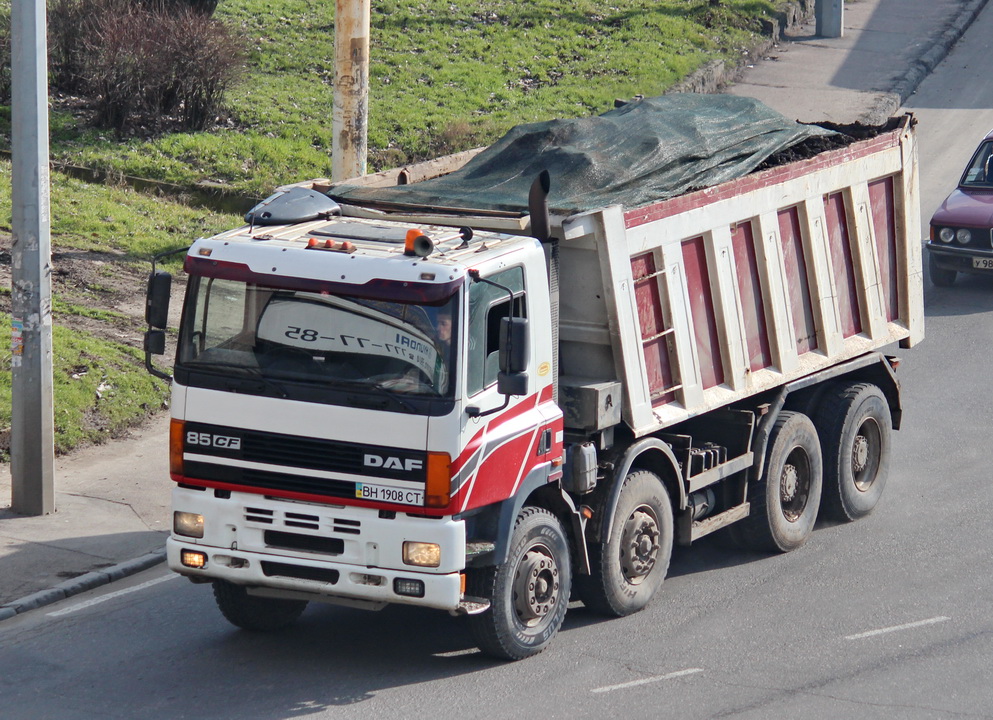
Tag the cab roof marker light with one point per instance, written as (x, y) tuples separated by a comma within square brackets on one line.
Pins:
[(345, 246)]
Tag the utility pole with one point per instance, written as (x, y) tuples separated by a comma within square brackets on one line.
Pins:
[(830, 18), (32, 434), (350, 114)]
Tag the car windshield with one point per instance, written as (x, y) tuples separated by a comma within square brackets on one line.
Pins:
[(979, 172), (283, 336)]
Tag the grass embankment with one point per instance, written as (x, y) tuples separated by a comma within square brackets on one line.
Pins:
[(446, 75), (102, 238)]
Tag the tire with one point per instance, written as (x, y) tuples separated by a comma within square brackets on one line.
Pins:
[(939, 275), (784, 504), (528, 594), (627, 568), (255, 613), (854, 425)]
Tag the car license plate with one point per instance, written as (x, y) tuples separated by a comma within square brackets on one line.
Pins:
[(982, 263), (382, 493)]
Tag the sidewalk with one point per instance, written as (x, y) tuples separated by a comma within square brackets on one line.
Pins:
[(112, 501)]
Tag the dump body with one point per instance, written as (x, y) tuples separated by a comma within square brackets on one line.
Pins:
[(696, 302)]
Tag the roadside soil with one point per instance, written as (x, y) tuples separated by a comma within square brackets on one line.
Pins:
[(105, 281)]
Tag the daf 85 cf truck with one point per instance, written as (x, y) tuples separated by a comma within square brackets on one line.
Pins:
[(522, 380)]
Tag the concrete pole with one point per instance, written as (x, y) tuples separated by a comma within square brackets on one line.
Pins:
[(350, 115), (32, 435), (830, 16)]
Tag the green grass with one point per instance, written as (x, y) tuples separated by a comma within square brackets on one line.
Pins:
[(98, 390), (445, 75), (100, 386), (85, 216)]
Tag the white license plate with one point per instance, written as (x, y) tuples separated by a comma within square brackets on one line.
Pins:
[(382, 493), (982, 263)]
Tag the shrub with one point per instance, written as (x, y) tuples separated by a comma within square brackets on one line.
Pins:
[(148, 62)]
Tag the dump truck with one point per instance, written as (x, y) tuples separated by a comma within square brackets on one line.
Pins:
[(499, 385)]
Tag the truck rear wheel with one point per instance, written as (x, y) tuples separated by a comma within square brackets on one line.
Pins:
[(854, 425), (255, 613), (528, 594), (784, 505), (627, 568)]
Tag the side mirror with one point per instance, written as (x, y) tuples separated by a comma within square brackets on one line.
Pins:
[(157, 299), (512, 383), (155, 342), (515, 345)]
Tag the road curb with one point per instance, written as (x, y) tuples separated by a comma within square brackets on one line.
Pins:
[(81, 584), (943, 43)]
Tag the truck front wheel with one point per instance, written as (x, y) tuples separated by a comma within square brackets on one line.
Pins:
[(854, 425), (627, 568), (528, 594), (255, 613), (784, 505)]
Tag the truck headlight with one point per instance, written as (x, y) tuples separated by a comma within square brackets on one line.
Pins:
[(963, 236), (421, 554), (946, 235), (187, 524)]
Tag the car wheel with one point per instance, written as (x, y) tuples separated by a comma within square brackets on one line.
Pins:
[(940, 276)]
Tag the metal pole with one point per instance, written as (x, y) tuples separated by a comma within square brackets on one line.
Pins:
[(829, 15), (32, 434), (350, 115)]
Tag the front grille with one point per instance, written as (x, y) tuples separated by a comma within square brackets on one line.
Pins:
[(347, 527), (299, 452), (300, 572), (311, 522)]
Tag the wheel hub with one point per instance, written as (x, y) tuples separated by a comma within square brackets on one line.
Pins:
[(860, 454), (794, 487), (639, 545), (536, 586), (790, 482)]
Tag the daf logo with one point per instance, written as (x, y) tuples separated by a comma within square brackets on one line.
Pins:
[(392, 463)]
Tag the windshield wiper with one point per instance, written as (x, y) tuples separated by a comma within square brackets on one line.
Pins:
[(387, 392), (255, 385)]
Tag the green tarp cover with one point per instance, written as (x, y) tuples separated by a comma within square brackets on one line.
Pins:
[(639, 153)]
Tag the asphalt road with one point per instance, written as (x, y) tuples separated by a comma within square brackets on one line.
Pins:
[(891, 617)]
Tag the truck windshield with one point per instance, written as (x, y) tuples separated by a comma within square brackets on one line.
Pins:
[(286, 340)]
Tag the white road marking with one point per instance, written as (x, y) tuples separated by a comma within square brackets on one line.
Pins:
[(907, 626), (110, 596), (646, 681)]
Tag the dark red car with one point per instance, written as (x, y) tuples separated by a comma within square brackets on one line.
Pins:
[(961, 238)]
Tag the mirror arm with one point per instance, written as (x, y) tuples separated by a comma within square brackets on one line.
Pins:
[(474, 412)]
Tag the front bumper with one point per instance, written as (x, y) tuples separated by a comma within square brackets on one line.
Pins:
[(325, 552), (959, 259)]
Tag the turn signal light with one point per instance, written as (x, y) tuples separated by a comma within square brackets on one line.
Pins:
[(438, 491), (176, 428)]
